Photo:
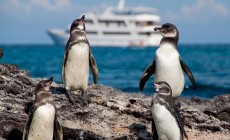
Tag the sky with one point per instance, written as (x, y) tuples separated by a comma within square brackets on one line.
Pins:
[(198, 21)]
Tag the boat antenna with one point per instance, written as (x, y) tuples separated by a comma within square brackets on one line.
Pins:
[(121, 4)]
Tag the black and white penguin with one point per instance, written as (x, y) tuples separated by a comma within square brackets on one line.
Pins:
[(42, 123), (167, 64), (77, 60), (167, 121)]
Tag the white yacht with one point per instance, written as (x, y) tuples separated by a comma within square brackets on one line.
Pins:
[(117, 26)]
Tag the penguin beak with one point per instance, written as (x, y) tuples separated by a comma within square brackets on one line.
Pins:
[(82, 19), (156, 86), (49, 81), (159, 29)]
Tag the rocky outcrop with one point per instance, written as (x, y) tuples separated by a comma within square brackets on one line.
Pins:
[(111, 113)]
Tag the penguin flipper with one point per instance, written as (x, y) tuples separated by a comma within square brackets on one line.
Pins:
[(27, 126), (58, 134), (149, 71), (69, 97), (93, 67), (176, 113), (63, 66), (189, 73), (155, 135)]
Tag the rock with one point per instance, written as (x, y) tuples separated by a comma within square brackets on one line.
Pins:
[(111, 113)]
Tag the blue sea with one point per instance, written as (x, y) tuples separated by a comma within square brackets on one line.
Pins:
[(122, 67)]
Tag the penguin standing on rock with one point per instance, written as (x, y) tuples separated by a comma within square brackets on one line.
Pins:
[(167, 65), (42, 123), (167, 123), (77, 60)]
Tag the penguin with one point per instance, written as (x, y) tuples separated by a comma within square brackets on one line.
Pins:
[(166, 119), (42, 123), (167, 64), (77, 60)]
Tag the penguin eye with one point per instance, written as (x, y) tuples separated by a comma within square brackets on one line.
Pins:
[(43, 84), (164, 85), (166, 26), (169, 28)]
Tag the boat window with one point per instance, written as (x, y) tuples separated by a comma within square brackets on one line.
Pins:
[(88, 22), (91, 32), (121, 23), (131, 12), (146, 23), (114, 22), (146, 33)]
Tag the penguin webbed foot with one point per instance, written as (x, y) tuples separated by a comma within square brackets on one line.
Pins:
[(71, 100), (74, 99), (67, 93), (80, 99)]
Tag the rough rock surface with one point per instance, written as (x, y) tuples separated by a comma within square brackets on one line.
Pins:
[(111, 113)]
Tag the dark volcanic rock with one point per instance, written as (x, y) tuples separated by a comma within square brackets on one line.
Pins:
[(220, 107), (111, 114)]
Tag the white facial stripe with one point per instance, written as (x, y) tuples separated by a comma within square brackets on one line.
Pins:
[(170, 34), (164, 85), (157, 89), (162, 93)]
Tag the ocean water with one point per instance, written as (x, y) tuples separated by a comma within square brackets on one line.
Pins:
[(122, 67)]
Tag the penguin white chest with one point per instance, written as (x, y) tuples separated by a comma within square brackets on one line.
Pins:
[(77, 67), (168, 69), (166, 124), (42, 124)]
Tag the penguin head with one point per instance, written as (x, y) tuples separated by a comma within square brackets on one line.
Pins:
[(43, 86), (163, 88), (78, 24), (168, 30)]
